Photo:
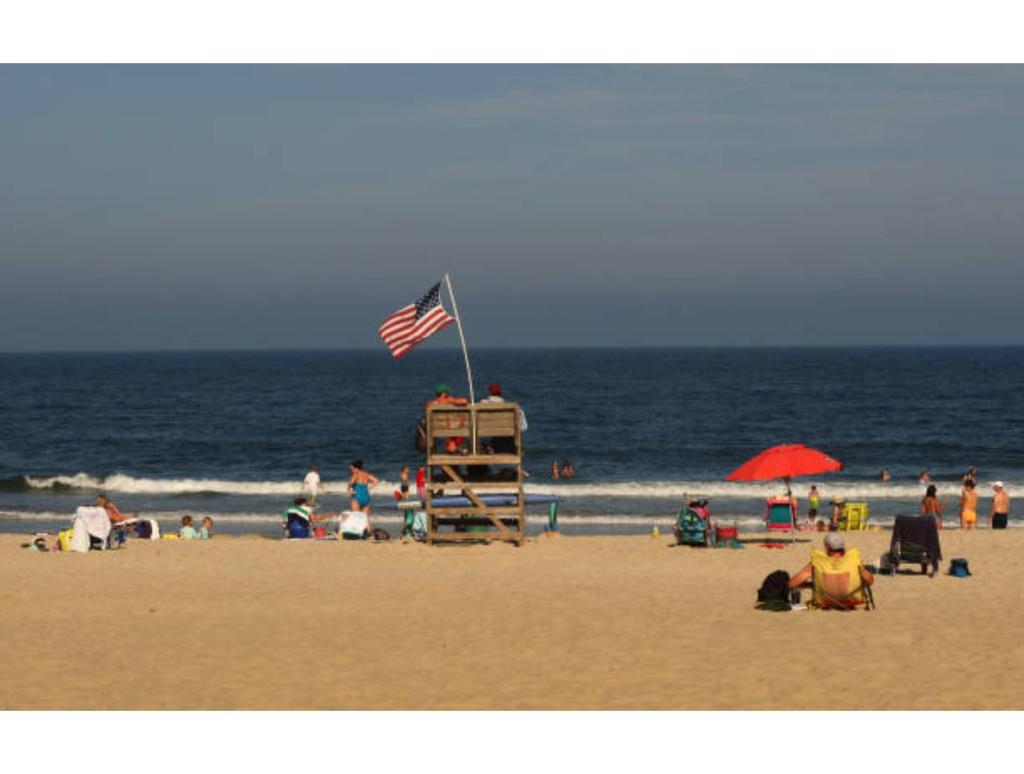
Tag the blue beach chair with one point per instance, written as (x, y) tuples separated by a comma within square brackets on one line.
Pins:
[(780, 515)]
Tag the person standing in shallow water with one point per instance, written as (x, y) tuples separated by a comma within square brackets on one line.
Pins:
[(931, 505), (311, 484), (813, 501), (969, 506), (1000, 507)]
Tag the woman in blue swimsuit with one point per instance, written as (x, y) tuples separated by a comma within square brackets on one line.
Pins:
[(360, 484)]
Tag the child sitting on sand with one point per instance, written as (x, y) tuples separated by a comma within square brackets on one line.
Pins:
[(187, 531), (207, 529)]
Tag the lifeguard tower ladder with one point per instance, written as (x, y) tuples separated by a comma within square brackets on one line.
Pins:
[(487, 461)]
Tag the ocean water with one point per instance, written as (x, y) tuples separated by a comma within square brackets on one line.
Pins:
[(231, 434)]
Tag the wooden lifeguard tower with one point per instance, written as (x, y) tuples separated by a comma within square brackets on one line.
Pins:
[(474, 452)]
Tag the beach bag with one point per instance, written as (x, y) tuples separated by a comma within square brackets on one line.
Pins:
[(64, 539), (381, 534), (419, 525), (958, 568), (774, 592)]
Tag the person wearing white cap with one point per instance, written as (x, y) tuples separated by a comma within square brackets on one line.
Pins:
[(834, 546), (1000, 507)]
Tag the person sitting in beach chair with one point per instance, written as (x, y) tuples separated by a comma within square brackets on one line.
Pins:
[(113, 512), (839, 579), (299, 518)]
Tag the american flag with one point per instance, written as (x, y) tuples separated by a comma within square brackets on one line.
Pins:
[(411, 324)]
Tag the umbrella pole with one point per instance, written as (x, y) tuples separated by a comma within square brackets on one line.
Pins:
[(792, 515)]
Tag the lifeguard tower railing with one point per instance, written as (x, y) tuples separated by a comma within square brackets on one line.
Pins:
[(474, 452)]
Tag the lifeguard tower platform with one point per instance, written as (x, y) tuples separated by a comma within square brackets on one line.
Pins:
[(474, 452)]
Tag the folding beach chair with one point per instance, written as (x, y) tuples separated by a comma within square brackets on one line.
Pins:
[(837, 582), (780, 515), (854, 517), (915, 540)]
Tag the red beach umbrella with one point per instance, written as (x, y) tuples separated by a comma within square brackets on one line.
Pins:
[(785, 461)]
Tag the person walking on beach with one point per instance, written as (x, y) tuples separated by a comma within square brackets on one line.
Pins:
[(931, 505), (360, 485), (969, 506), (813, 502), (311, 484), (1000, 507)]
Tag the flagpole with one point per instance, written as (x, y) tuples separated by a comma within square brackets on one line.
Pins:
[(462, 338)]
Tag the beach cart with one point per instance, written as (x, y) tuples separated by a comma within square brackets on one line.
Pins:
[(693, 525)]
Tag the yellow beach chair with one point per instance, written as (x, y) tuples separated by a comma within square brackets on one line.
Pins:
[(854, 517), (837, 581)]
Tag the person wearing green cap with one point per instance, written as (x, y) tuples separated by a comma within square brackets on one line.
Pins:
[(445, 398)]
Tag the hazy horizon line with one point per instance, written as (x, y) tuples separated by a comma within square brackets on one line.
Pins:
[(504, 348)]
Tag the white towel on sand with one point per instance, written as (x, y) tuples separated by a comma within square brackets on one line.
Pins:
[(89, 521), (353, 523)]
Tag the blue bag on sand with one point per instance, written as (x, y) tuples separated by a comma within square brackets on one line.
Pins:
[(297, 528), (958, 568)]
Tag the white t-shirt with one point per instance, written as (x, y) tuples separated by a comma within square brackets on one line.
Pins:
[(312, 482), (499, 399)]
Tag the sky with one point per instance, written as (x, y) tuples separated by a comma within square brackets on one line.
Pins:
[(251, 207)]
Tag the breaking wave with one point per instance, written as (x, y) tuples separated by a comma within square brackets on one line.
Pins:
[(673, 490)]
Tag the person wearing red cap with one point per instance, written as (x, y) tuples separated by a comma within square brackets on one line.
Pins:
[(503, 445), (496, 396)]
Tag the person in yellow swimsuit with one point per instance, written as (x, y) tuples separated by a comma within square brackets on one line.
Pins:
[(968, 506)]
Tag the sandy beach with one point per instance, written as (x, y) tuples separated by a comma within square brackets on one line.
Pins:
[(563, 623)]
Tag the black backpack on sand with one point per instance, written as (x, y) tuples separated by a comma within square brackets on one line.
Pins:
[(774, 592)]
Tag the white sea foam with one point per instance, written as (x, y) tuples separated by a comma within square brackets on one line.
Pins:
[(671, 490), (745, 522)]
